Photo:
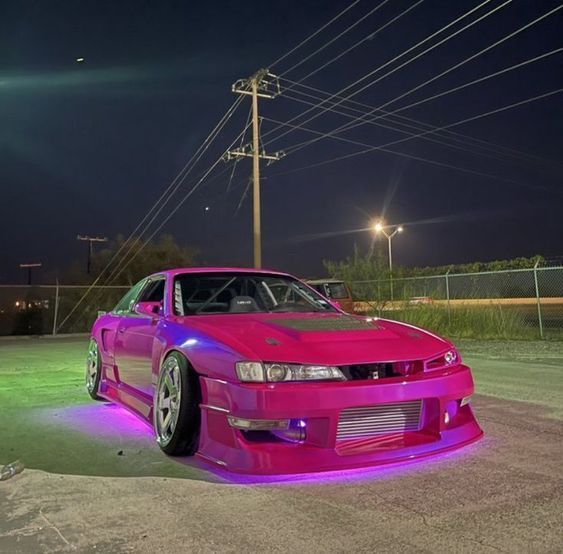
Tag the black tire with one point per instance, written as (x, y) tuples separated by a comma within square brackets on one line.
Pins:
[(93, 370), (183, 438)]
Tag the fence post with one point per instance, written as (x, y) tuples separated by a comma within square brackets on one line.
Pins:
[(448, 297), (56, 307), (540, 322)]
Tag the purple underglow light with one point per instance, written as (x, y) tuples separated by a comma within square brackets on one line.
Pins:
[(365, 474), (101, 420)]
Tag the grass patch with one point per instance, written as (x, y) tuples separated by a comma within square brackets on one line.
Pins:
[(516, 370), (50, 423), (483, 322)]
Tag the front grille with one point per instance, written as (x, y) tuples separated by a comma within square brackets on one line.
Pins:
[(381, 370), (369, 421)]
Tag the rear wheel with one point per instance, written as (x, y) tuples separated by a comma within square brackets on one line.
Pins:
[(176, 410), (93, 369)]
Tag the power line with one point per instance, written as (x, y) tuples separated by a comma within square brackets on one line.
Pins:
[(449, 70), (246, 125), (461, 122), (364, 119), (370, 36), (167, 194), (313, 35), (464, 138), (327, 44), (383, 147), (399, 56), (179, 205), (448, 144)]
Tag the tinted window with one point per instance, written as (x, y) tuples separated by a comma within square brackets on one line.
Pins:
[(127, 303), (154, 291)]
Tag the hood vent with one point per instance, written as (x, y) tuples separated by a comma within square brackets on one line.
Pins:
[(325, 324)]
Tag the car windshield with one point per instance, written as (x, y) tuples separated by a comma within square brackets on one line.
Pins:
[(211, 293), (337, 290)]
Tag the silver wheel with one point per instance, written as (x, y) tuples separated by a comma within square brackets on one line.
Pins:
[(167, 401), (92, 366)]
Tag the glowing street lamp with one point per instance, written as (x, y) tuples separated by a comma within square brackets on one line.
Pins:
[(389, 231)]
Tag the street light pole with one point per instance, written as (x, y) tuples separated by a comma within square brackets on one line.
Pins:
[(379, 228)]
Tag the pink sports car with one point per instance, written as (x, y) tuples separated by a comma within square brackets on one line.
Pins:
[(258, 373)]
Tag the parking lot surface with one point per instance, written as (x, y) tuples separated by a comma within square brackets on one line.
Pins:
[(95, 480)]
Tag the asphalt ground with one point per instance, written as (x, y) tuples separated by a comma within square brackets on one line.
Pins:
[(95, 481)]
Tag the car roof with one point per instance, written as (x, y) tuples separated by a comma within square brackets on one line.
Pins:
[(183, 270)]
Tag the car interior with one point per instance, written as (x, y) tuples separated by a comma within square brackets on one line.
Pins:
[(242, 294)]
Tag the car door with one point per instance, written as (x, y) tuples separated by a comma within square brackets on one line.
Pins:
[(135, 339)]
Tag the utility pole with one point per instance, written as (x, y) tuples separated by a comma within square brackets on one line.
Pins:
[(261, 85), (29, 267), (90, 240)]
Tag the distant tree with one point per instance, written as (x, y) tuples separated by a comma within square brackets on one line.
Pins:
[(136, 259), (139, 258)]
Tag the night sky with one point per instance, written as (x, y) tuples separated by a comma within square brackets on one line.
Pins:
[(87, 147)]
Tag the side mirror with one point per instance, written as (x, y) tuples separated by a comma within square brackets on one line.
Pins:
[(148, 308), (336, 304)]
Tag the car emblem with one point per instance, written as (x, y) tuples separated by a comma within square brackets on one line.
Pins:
[(273, 341)]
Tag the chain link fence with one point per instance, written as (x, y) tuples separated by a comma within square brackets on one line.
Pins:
[(519, 303), (40, 309)]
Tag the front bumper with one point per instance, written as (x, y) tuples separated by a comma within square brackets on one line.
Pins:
[(320, 405)]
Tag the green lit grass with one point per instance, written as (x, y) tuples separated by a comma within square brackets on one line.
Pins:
[(528, 371), (483, 322), (40, 381)]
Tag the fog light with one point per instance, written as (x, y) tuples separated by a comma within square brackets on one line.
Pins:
[(258, 424), (451, 411), (296, 432)]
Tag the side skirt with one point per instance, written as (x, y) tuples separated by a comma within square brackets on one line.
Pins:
[(122, 394)]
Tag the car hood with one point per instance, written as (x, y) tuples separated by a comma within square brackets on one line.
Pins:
[(333, 338)]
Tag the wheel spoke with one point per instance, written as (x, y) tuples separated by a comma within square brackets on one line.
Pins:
[(168, 382), (166, 422)]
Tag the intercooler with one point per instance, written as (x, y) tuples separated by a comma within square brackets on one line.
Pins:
[(382, 419)]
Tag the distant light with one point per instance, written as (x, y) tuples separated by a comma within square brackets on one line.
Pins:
[(17, 304), (378, 227), (79, 60), (400, 229), (207, 208)]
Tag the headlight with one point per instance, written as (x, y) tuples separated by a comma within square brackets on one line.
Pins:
[(276, 372), (450, 358)]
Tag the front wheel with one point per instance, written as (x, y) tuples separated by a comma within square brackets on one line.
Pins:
[(176, 411), (93, 369)]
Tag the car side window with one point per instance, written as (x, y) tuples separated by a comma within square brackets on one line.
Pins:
[(126, 304), (153, 292)]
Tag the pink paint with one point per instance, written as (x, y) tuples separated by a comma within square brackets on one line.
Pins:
[(134, 346)]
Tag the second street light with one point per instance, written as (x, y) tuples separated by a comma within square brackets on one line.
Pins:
[(389, 231)]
